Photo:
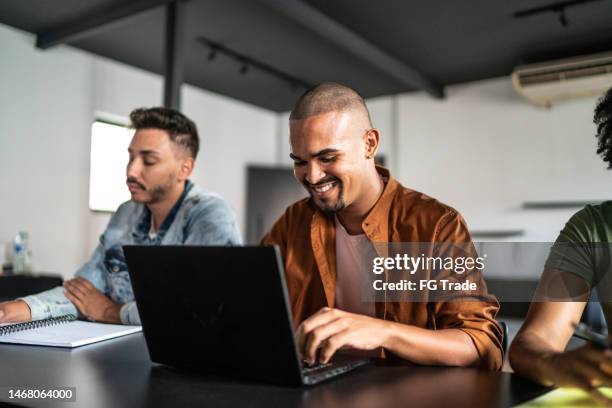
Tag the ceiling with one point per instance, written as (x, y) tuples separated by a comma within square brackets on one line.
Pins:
[(445, 41)]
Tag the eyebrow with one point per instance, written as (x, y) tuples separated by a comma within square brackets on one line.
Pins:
[(317, 154), (145, 152)]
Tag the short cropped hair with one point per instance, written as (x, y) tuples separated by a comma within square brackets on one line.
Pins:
[(603, 121), (180, 128), (328, 97)]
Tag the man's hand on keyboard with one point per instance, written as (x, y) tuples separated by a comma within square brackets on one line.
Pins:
[(92, 303), (331, 329)]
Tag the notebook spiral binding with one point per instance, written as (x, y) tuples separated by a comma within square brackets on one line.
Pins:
[(52, 321)]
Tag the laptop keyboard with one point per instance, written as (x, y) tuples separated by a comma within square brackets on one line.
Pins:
[(321, 372), (309, 369)]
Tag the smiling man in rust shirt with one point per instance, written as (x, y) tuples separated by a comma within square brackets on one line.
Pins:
[(352, 205)]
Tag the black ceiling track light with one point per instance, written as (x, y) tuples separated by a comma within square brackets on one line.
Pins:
[(557, 8), (245, 63)]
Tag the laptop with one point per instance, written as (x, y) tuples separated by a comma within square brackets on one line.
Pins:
[(223, 310)]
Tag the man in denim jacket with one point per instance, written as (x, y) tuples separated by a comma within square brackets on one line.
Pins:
[(165, 209)]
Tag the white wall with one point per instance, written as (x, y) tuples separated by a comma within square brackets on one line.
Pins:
[(233, 135), (45, 115), (47, 104), (485, 151)]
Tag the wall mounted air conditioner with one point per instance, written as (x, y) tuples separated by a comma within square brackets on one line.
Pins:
[(553, 81)]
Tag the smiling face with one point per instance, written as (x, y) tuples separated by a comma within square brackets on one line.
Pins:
[(332, 156), (156, 168)]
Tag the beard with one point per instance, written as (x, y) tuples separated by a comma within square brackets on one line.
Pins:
[(157, 192), (332, 207)]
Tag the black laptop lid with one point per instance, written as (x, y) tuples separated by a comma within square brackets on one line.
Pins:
[(221, 309)]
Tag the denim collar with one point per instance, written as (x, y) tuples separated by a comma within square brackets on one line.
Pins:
[(141, 232)]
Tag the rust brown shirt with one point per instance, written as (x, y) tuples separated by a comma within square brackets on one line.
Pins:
[(306, 237)]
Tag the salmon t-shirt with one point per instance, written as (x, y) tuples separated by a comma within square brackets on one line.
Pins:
[(353, 255)]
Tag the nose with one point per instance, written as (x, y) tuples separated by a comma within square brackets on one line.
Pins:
[(134, 168), (314, 174)]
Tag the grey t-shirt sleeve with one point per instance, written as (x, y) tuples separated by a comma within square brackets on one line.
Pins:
[(575, 249)]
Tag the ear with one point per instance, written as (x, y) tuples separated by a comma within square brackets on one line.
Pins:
[(186, 168), (372, 141)]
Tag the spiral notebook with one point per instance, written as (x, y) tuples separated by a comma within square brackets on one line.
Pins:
[(63, 331)]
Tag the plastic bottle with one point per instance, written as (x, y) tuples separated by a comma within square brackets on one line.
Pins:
[(21, 262)]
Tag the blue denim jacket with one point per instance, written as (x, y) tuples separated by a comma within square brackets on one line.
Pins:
[(198, 218)]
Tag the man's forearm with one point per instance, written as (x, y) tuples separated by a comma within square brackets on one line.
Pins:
[(529, 356), (431, 347), (50, 303)]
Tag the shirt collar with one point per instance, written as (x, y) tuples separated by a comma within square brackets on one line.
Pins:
[(376, 223)]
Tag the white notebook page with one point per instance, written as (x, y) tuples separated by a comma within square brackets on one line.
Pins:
[(71, 334)]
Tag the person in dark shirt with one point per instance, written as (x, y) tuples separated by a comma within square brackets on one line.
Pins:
[(579, 263)]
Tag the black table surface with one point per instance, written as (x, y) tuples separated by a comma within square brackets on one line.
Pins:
[(118, 373)]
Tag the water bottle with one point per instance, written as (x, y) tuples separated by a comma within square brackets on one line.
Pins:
[(21, 262)]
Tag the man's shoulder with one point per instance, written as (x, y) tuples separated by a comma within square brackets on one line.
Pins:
[(418, 217), (297, 215), (127, 211), (127, 216), (294, 220), (595, 213), (590, 224), (199, 195), (201, 202), (300, 208), (208, 219), (409, 203)]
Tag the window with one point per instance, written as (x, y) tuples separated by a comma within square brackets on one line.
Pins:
[(109, 158)]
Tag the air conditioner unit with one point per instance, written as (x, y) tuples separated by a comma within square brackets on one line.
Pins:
[(553, 81)]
